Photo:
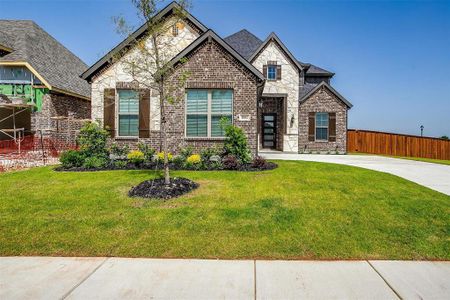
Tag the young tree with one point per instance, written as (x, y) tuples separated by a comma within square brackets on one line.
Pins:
[(147, 62)]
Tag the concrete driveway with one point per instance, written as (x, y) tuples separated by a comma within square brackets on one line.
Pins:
[(141, 278), (433, 176)]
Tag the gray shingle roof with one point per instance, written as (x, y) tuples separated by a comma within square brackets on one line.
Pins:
[(55, 63), (246, 44), (312, 88)]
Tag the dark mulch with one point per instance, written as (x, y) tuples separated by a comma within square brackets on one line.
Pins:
[(156, 188)]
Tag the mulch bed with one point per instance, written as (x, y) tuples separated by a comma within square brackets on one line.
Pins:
[(156, 188)]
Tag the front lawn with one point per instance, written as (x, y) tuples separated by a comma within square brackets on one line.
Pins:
[(300, 210), (429, 160)]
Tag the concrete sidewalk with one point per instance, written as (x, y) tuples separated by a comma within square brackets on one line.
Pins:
[(134, 278), (433, 176)]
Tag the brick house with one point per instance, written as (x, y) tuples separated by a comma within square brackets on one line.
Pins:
[(40, 86), (278, 101)]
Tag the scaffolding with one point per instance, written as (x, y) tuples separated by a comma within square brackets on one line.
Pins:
[(15, 133)]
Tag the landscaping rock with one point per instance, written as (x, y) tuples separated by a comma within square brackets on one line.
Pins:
[(156, 188)]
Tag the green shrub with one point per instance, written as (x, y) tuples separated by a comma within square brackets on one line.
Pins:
[(92, 140), (95, 162), (186, 152), (119, 151), (236, 144), (178, 161), (136, 157), (120, 164), (71, 159), (147, 150), (207, 153)]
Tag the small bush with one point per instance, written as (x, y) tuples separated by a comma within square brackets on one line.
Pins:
[(136, 157), (120, 164), (194, 159), (94, 162), (207, 153), (178, 161), (259, 162), (147, 150), (215, 165), (230, 162), (71, 159), (119, 151), (92, 140), (161, 156), (186, 152), (236, 144)]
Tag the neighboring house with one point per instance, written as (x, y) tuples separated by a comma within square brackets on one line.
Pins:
[(279, 102), (39, 81)]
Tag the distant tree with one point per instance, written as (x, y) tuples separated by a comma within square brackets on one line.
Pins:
[(444, 137)]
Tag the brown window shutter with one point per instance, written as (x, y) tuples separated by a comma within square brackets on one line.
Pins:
[(332, 127), (278, 72), (109, 111), (265, 71), (312, 127), (144, 113)]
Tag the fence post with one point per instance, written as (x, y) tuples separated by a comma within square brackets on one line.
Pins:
[(42, 147)]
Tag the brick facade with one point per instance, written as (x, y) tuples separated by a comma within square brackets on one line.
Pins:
[(323, 101), (210, 67), (58, 105)]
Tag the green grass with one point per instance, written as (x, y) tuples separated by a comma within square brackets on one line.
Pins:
[(300, 210), (430, 160)]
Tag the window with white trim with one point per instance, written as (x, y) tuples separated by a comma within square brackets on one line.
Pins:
[(321, 126), (128, 113), (205, 110)]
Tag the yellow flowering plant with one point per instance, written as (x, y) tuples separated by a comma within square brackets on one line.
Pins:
[(194, 159), (161, 156)]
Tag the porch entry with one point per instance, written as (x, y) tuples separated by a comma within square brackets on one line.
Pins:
[(271, 122), (269, 131)]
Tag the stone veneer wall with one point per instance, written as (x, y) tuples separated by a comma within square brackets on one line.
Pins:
[(323, 101), (118, 73), (289, 84)]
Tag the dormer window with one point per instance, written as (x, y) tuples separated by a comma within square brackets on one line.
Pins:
[(271, 72)]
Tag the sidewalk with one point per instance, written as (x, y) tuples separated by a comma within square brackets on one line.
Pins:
[(135, 278)]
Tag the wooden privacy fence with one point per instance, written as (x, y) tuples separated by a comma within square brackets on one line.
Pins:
[(366, 141)]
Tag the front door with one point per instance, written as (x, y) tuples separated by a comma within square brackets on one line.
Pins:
[(269, 124)]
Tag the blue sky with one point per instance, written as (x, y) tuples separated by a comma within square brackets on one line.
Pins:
[(391, 58)]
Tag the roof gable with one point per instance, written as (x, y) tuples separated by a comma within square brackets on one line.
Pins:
[(244, 42), (211, 35), (125, 44), (331, 89), (31, 46), (273, 37)]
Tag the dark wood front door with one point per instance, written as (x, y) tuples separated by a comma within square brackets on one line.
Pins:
[(269, 131)]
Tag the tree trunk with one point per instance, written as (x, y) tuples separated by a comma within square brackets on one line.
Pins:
[(164, 134), (163, 111)]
